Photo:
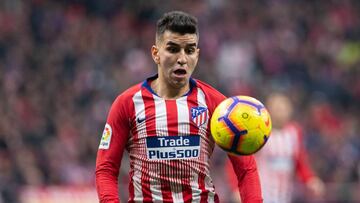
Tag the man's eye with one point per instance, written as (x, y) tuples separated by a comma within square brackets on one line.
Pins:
[(172, 49), (190, 51)]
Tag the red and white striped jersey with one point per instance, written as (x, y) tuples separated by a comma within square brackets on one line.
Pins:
[(279, 161), (169, 145)]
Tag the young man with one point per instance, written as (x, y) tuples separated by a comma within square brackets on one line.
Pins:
[(163, 123)]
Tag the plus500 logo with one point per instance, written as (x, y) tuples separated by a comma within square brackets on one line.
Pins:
[(173, 147)]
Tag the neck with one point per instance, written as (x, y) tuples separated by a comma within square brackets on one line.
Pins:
[(166, 91)]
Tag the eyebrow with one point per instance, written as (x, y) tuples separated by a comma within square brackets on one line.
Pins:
[(175, 44)]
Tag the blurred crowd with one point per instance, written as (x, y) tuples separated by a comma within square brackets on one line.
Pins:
[(62, 63)]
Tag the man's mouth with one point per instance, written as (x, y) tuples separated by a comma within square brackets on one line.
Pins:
[(180, 72)]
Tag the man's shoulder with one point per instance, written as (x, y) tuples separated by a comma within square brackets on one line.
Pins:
[(212, 96), (130, 92), (123, 100), (205, 86), (293, 128), (208, 89), (292, 125)]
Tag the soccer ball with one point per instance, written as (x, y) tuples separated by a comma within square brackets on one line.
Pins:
[(240, 125)]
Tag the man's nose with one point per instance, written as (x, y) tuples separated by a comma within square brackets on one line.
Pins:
[(182, 58)]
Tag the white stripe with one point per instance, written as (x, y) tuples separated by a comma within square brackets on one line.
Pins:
[(276, 143), (161, 130), (295, 141), (161, 118), (209, 187), (139, 113), (282, 143), (155, 191), (138, 197), (183, 116), (202, 103), (288, 144), (195, 189), (201, 98)]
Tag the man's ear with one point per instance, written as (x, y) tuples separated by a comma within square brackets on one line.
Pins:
[(155, 54)]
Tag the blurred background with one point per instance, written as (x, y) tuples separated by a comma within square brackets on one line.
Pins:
[(63, 62)]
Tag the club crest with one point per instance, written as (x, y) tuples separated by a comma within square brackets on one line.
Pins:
[(199, 115)]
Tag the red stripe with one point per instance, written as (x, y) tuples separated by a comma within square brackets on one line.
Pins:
[(150, 124), (185, 182), (172, 117), (204, 193), (165, 180)]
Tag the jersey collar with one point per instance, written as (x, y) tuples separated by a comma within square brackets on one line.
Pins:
[(147, 82)]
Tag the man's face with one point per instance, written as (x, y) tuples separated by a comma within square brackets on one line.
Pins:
[(176, 56), (280, 109)]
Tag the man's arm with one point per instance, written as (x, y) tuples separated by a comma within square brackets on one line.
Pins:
[(247, 177), (110, 153), (303, 170)]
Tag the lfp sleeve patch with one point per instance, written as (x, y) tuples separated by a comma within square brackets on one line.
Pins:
[(173, 147), (106, 137)]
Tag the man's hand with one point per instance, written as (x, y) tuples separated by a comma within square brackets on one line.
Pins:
[(316, 186)]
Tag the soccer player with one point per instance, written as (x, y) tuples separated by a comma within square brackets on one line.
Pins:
[(283, 157), (163, 123)]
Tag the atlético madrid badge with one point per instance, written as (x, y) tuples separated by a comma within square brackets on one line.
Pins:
[(199, 115)]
